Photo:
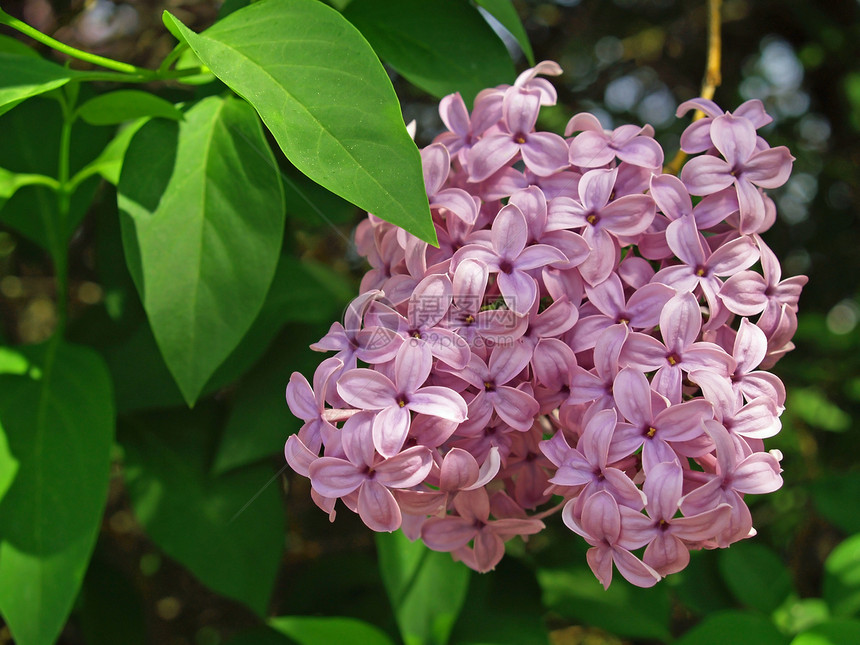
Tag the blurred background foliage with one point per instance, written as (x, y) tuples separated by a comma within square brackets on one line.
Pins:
[(166, 571)]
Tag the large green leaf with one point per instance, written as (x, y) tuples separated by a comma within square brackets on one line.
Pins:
[(842, 578), (59, 422), (310, 630), (327, 100), (22, 77), (203, 218), (506, 13), (426, 588), (756, 575), (442, 46), (228, 530)]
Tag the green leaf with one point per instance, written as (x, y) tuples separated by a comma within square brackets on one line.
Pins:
[(189, 60), (32, 210), (59, 423), (10, 182), (11, 45), (575, 593), (313, 207), (801, 614), (842, 578), (700, 586), (203, 217), (197, 518), (13, 361), (262, 635), (505, 12), (307, 630), (326, 99), (834, 493), (832, 632), (260, 420), (109, 162), (23, 76), (8, 465), (426, 588), (126, 105), (755, 575), (735, 627), (442, 46), (495, 615), (813, 406)]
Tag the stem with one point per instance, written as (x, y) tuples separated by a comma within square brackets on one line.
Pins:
[(172, 57), (713, 73), (27, 179), (60, 251), (101, 61), (167, 75)]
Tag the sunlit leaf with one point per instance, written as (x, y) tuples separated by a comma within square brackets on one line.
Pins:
[(307, 630), (203, 216), (327, 100), (832, 632), (23, 76), (59, 421), (109, 162), (811, 405), (8, 465), (126, 105), (801, 614), (842, 578)]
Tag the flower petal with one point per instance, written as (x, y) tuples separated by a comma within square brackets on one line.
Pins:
[(377, 507)]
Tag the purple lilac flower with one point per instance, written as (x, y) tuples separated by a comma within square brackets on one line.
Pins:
[(743, 166), (583, 332)]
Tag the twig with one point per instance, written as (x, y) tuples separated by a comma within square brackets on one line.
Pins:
[(713, 73)]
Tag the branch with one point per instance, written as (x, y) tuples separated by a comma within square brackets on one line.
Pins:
[(713, 73)]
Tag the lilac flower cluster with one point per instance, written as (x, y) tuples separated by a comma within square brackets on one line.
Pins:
[(590, 336)]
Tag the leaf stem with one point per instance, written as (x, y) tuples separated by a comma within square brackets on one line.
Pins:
[(60, 251), (713, 72), (29, 179), (171, 58), (127, 73)]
